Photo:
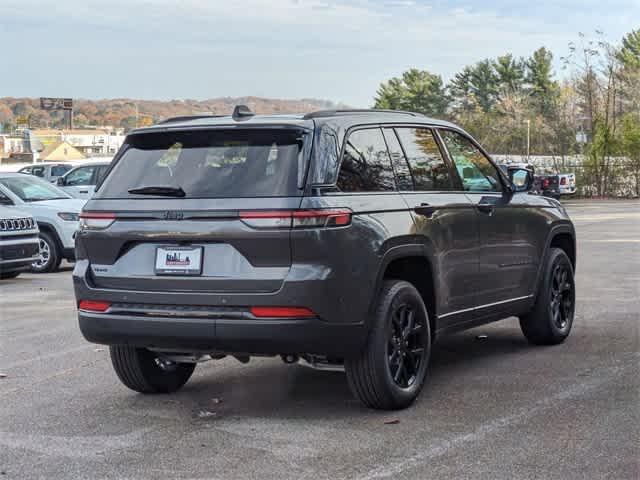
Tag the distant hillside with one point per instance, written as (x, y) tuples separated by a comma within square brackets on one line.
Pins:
[(121, 112)]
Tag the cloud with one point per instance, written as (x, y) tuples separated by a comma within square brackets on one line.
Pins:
[(284, 48)]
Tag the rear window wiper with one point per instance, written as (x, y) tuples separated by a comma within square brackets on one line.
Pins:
[(162, 190)]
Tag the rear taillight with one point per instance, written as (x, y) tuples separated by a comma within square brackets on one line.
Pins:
[(545, 183), (96, 220), (281, 312), (93, 306), (563, 181), (319, 218)]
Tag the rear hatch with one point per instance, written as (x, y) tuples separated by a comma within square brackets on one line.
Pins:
[(197, 211)]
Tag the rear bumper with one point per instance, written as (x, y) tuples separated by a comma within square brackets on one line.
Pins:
[(217, 322), (268, 336)]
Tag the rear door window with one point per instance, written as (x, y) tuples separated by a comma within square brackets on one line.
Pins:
[(366, 166), (429, 170), (211, 163)]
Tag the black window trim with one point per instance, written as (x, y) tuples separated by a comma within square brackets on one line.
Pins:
[(501, 177), (404, 156)]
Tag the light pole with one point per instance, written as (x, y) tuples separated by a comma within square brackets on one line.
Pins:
[(528, 139)]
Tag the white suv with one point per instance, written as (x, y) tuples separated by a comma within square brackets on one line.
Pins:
[(55, 211)]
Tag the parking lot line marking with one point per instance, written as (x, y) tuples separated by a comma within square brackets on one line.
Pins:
[(423, 458), (606, 216), (613, 240)]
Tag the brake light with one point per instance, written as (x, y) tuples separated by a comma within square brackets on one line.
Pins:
[(563, 181), (545, 183), (281, 312), (96, 220), (318, 218), (93, 306)]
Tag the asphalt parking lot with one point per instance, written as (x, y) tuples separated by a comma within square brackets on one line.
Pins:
[(494, 408)]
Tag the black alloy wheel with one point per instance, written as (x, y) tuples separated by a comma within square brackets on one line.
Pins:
[(561, 300), (405, 348)]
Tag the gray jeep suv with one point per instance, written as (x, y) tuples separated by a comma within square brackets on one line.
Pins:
[(340, 239)]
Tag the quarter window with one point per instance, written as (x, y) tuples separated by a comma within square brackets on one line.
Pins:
[(428, 168), (475, 170), (366, 166)]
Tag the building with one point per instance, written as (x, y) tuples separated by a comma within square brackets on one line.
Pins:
[(60, 151), (11, 144), (90, 142)]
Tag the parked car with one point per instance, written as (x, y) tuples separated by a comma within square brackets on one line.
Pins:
[(343, 239), (47, 170), (55, 211), (81, 181), (18, 240)]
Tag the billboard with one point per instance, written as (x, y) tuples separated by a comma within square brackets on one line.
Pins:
[(49, 103)]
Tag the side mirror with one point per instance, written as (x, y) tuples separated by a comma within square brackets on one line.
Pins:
[(60, 181), (521, 179)]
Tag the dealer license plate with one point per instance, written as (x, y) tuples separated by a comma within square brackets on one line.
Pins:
[(178, 260)]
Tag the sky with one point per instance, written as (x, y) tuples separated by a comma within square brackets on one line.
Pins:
[(334, 50)]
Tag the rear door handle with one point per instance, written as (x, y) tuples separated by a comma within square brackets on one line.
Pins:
[(485, 207), (425, 209)]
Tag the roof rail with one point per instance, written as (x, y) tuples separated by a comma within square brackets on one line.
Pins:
[(333, 113), (184, 118)]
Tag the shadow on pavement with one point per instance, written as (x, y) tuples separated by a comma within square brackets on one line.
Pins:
[(271, 389)]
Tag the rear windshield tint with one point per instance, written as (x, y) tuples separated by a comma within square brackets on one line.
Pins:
[(211, 164)]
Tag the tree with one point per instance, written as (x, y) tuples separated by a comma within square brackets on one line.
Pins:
[(484, 84), (630, 146), (416, 91), (629, 57), (460, 90), (476, 86), (543, 89), (510, 72), (629, 53), (6, 115)]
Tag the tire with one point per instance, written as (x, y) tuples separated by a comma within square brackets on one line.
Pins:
[(140, 370), (551, 318), (8, 275), (390, 352), (50, 252)]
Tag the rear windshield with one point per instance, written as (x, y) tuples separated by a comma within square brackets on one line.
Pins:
[(210, 164)]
